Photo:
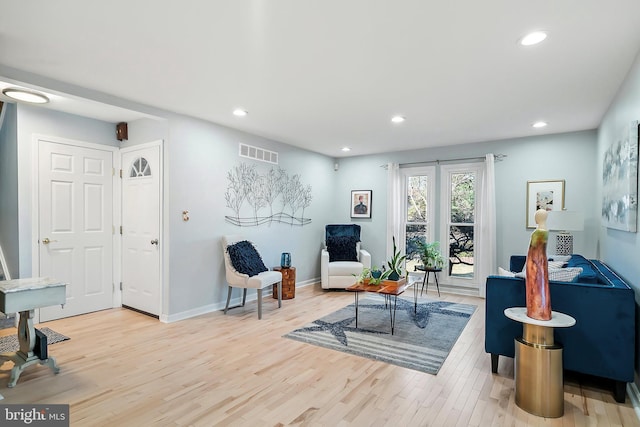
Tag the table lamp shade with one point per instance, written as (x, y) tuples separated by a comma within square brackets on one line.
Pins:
[(565, 221)]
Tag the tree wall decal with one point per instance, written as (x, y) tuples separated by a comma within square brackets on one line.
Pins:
[(261, 192)]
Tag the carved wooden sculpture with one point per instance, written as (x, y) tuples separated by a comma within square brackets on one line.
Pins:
[(537, 278)]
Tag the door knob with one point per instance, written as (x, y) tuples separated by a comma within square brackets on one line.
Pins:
[(46, 241), (154, 242)]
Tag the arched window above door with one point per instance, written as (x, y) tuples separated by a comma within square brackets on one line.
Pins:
[(140, 168)]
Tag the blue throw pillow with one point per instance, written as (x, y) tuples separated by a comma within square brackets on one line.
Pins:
[(245, 259), (342, 248)]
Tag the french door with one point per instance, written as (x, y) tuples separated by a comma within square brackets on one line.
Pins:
[(458, 225), (446, 213), (418, 188)]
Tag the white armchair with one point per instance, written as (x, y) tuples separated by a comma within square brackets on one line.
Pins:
[(338, 271), (257, 281)]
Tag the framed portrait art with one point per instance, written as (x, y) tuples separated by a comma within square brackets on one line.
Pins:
[(547, 195), (360, 203)]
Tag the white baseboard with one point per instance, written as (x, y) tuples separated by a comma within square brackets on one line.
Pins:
[(634, 395), (205, 309), (308, 282), (193, 312)]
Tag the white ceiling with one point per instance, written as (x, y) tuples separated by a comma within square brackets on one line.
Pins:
[(327, 74)]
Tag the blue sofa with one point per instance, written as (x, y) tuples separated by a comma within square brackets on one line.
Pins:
[(601, 343)]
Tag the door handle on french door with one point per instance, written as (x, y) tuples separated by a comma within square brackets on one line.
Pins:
[(154, 242), (46, 241)]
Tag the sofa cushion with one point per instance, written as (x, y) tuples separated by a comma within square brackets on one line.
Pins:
[(557, 264), (245, 258), (342, 248), (505, 273), (589, 274), (561, 258), (569, 274)]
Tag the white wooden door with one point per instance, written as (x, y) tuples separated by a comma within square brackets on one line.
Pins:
[(75, 216), (141, 173)]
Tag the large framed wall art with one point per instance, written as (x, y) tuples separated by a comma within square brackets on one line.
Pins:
[(620, 181)]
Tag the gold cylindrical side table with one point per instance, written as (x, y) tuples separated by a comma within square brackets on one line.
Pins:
[(538, 363)]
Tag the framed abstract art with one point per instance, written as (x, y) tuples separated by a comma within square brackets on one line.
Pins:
[(547, 195)]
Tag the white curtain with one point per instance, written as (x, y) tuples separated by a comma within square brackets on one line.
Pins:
[(486, 253), (394, 205)]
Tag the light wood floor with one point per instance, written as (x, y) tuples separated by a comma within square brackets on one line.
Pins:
[(122, 368)]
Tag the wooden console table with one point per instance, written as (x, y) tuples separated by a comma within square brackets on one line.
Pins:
[(24, 296)]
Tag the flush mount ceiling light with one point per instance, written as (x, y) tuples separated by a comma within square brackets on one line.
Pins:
[(25, 95), (345, 149), (397, 119), (239, 112), (532, 38), (538, 125)]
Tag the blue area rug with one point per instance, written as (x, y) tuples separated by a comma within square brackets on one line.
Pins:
[(421, 340)]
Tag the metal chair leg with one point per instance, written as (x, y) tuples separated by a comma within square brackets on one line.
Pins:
[(244, 296), (228, 300), (280, 294), (259, 304)]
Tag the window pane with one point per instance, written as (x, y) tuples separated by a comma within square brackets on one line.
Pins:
[(140, 167), (415, 235), (463, 197), (417, 198), (461, 253)]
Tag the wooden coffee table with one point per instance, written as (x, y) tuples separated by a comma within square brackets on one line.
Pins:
[(388, 288)]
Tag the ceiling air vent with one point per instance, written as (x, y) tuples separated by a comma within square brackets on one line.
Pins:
[(257, 153)]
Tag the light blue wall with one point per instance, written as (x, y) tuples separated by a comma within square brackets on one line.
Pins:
[(146, 130), (200, 156), (568, 156), (9, 188), (621, 249), (41, 121)]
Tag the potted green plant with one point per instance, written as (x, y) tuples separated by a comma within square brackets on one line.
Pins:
[(395, 263), (378, 275), (430, 255), (363, 276)]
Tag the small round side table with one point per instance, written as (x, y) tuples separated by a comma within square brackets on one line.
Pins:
[(425, 281), (538, 363), (288, 283)]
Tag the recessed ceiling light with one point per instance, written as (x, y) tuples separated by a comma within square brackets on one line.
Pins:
[(240, 112), (345, 149), (397, 119), (533, 38), (25, 95), (539, 124)]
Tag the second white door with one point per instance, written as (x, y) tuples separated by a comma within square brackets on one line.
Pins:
[(141, 173)]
